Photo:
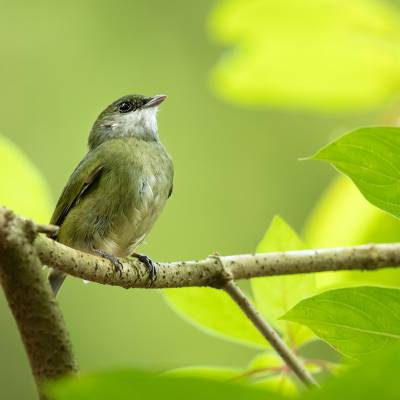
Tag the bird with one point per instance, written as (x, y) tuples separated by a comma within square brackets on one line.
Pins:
[(118, 190)]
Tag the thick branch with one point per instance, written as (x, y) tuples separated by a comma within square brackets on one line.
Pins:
[(207, 272), (33, 305)]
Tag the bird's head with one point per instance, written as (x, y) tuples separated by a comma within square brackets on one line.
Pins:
[(133, 115)]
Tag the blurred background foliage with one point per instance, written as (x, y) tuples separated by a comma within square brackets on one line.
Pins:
[(266, 83), (309, 54)]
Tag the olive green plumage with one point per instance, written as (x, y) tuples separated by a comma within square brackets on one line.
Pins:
[(118, 190)]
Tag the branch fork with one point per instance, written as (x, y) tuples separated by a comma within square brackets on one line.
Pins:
[(23, 252)]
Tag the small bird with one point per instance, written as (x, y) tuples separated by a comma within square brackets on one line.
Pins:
[(118, 190)]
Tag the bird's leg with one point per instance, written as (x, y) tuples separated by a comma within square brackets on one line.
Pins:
[(117, 264), (147, 261)]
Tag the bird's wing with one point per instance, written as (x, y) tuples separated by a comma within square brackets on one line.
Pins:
[(86, 173)]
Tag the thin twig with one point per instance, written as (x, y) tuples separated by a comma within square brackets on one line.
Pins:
[(269, 333)]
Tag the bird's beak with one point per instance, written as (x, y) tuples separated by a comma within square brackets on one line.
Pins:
[(155, 101)]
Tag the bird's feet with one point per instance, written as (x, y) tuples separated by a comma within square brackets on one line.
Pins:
[(114, 260), (147, 261)]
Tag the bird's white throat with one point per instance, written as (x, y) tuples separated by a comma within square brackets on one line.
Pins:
[(141, 122)]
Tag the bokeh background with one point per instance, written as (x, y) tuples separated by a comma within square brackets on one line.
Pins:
[(236, 161)]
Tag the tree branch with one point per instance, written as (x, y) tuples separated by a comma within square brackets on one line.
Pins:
[(207, 272), (32, 303)]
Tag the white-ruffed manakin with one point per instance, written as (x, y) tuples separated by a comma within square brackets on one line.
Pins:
[(118, 190)]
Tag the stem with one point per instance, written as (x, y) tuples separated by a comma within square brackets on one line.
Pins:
[(269, 333)]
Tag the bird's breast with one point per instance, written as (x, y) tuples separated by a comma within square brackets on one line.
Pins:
[(141, 203)]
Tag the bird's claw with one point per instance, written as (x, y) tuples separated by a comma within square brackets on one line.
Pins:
[(114, 260), (148, 262)]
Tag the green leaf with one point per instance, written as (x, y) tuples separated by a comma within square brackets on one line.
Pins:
[(276, 294), (377, 378), (355, 321), (214, 373), (213, 311), (272, 361), (22, 188), (267, 371), (129, 384), (342, 217), (371, 158), (283, 383), (313, 54)]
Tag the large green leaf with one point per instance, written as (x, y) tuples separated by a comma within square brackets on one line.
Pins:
[(214, 373), (316, 54), (371, 158), (214, 311), (343, 217), (356, 321), (22, 187), (277, 294), (377, 378), (130, 384), (266, 371)]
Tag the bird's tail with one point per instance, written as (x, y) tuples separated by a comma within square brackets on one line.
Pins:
[(56, 279)]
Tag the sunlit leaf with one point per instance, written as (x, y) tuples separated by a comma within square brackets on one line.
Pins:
[(371, 158), (277, 294), (273, 362), (268, 371), (128, 385), (343, 217), (282, 383), (22, 187), (215, 312), (355, 321), (214, 373), (316, 54), (266, 360)]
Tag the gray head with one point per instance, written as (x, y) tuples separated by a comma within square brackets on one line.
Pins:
[(133, 115)]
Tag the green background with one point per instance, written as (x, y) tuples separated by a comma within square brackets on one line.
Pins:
[(61, 64)]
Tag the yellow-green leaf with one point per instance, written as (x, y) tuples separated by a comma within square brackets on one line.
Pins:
[(22, 187), (277, 294), (131, 384), (343, 217), (215, 312), (213, 373)]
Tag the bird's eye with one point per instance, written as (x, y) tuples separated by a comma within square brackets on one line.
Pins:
[(125, 107)]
